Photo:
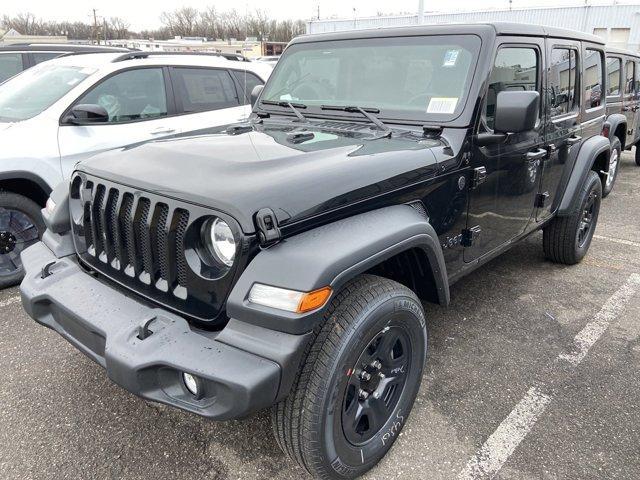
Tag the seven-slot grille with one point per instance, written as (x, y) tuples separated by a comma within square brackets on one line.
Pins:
[(139, 239)]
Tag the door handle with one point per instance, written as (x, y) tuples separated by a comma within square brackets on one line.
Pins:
[(626, 109), (537, 154), (162, 130), (573, 140)]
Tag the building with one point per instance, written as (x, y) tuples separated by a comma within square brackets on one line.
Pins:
[(250, 47), (618, 25), (13, 37)]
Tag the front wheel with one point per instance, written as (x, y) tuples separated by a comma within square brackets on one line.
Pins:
[(614, 161), (21, 225), (638, 154), (567, 239), (361, 376)]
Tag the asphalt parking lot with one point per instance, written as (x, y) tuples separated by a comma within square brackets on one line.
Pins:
[(533, 373)]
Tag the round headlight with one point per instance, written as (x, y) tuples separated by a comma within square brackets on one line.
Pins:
[(219, 240)]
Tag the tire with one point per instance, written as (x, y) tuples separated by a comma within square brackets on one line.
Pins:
[(317, 425), (567, 239), (638, 154), (614, 163), (21, 225)]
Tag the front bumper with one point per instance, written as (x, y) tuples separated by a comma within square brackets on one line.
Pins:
[(104, 323)]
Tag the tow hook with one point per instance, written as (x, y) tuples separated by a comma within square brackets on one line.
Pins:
[(143, 330), (46, 270)]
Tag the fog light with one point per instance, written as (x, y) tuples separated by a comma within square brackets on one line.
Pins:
[(192, 383)]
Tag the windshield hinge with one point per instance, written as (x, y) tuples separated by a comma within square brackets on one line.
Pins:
[(267, 225), (431, 130)]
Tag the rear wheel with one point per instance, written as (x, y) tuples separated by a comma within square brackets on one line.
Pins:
[(21, 226), (361, 376), (614, 162), (567, 239)]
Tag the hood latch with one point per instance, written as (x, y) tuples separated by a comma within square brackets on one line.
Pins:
[(267, 224)]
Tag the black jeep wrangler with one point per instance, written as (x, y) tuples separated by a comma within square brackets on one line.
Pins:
[(282, 262)]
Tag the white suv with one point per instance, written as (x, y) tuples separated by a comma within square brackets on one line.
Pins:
[(69, 108)]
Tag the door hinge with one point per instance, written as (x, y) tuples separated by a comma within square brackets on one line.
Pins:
[(541, 199), (479, 176), (267, 224), (470, 235)]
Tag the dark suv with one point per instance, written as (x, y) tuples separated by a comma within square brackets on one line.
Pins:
[(18, 57), (623, 105), (283, 262)]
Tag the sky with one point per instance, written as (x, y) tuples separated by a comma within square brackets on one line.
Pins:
[(143, 14)]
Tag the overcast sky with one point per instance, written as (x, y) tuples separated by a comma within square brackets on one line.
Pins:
[(143, 14)]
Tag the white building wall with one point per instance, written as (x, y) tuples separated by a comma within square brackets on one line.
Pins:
[(584, 18)]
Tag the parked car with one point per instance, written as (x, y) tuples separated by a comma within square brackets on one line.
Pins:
[(18, 57), (623, 103), (69, 108), (270, 59), (284, 263)]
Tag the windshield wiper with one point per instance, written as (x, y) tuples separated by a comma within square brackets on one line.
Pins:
[(367, 112), (293, 106)]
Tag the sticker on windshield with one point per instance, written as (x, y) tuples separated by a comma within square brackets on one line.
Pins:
[(450, 58), (442, 105)]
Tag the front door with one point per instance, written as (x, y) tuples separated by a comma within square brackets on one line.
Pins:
[(501, 207), (139, 110)]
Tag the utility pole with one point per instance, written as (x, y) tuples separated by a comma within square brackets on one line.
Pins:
[(420, 12), (104, 26), (95, 26), (318, 11)]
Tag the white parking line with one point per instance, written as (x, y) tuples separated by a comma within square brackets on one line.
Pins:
[(621, 241), (9, 301), (497, 449)]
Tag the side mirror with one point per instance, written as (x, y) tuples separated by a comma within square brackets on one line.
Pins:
[(87, 113), (255, 93), (516, 111)]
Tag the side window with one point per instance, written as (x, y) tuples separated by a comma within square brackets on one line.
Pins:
[(593, 84), (204, 89), (562, 81), (614, 65), (10, 64), (629, 82), (248, 81), (515, 68), (39, 57), (131, 95)]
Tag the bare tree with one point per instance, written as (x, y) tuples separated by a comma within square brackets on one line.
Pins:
[(118, 28), (24, 23), (181, 22)]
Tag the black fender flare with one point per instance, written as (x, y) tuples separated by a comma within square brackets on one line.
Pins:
[(589, 151), (25, 175), (331, 255), (614, 121)]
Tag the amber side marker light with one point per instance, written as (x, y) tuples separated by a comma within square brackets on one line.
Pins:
[(288, 300)]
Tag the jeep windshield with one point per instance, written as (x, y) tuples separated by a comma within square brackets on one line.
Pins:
[(33, 91), (421, 78)]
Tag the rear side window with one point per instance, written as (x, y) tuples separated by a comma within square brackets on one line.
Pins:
[(614, 67), (563, 81), (204, 89), (593, 84), (39, 57), (629, 83), (130, 95), (10, 64), (515, 68), (248, 82)]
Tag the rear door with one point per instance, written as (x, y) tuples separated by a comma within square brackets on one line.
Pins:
[(630, 100), (614, 67), (139, 109), (501, 207), (207, 97), (563, 132)]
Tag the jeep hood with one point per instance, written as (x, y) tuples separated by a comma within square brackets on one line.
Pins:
[(297, 171)]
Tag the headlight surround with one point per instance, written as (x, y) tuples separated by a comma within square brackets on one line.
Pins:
[(219, 241)]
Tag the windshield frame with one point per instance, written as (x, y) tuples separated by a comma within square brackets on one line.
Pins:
[(473, 41)]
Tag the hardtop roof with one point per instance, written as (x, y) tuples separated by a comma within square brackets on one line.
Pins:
[(484, 28)]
